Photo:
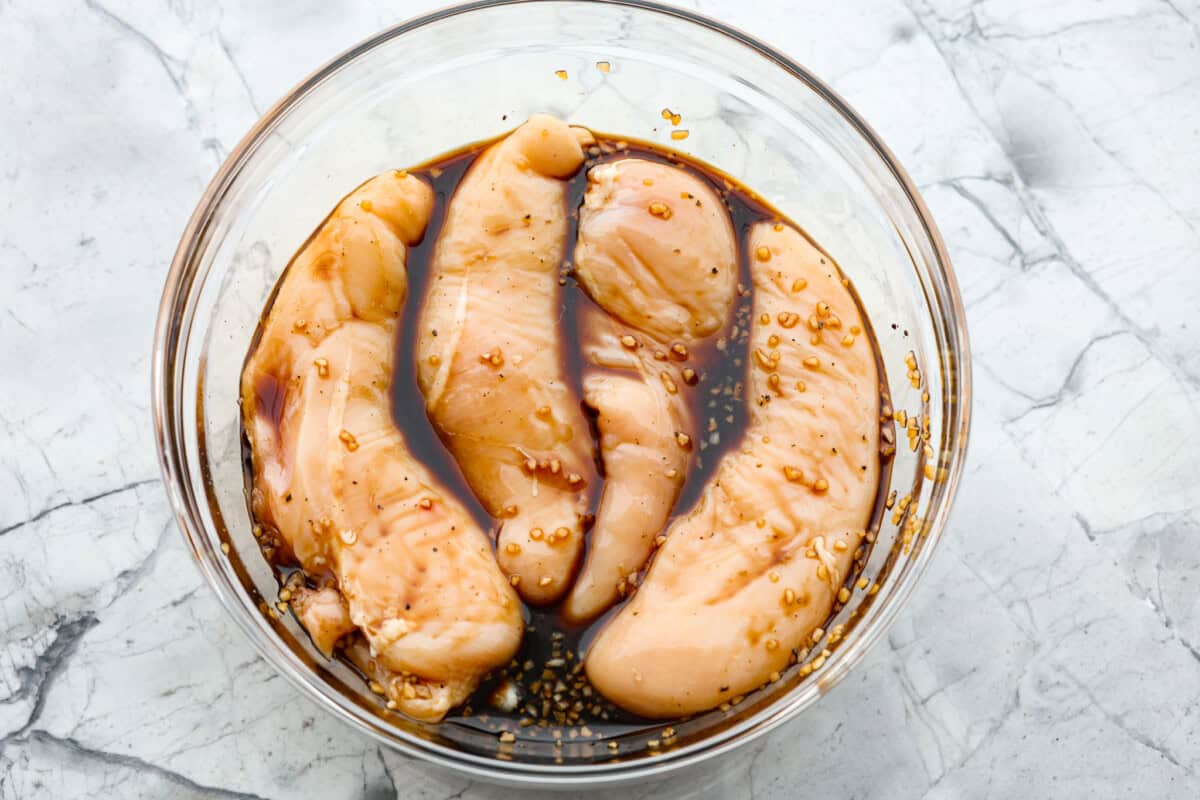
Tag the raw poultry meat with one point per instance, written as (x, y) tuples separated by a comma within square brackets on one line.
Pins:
[(394, 555), (656, 251), (490, 358), (748, 573)]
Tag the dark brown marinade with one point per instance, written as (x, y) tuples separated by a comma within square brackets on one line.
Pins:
[(555, 700)]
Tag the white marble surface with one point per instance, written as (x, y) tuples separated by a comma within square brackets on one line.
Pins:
[(1054, 650)]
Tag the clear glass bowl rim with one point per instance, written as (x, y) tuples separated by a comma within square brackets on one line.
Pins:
[(174, 323)]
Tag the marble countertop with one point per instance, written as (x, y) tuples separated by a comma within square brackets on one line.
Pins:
[(1054, 649)]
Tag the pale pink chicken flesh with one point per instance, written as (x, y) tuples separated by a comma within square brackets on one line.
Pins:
[(395, 556), (656, 250), (746, 576), (490, 359)]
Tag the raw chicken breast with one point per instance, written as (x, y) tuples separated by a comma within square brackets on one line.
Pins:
[(748, 574), (323, 613), (490, 353), (656, 250), (398, 558)]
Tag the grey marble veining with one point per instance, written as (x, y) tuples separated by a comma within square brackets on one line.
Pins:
[(1054, 650)]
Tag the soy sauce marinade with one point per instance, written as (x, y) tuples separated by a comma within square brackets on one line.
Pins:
[(546, 677)]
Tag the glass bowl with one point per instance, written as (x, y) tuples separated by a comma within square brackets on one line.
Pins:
[(471, 73)]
